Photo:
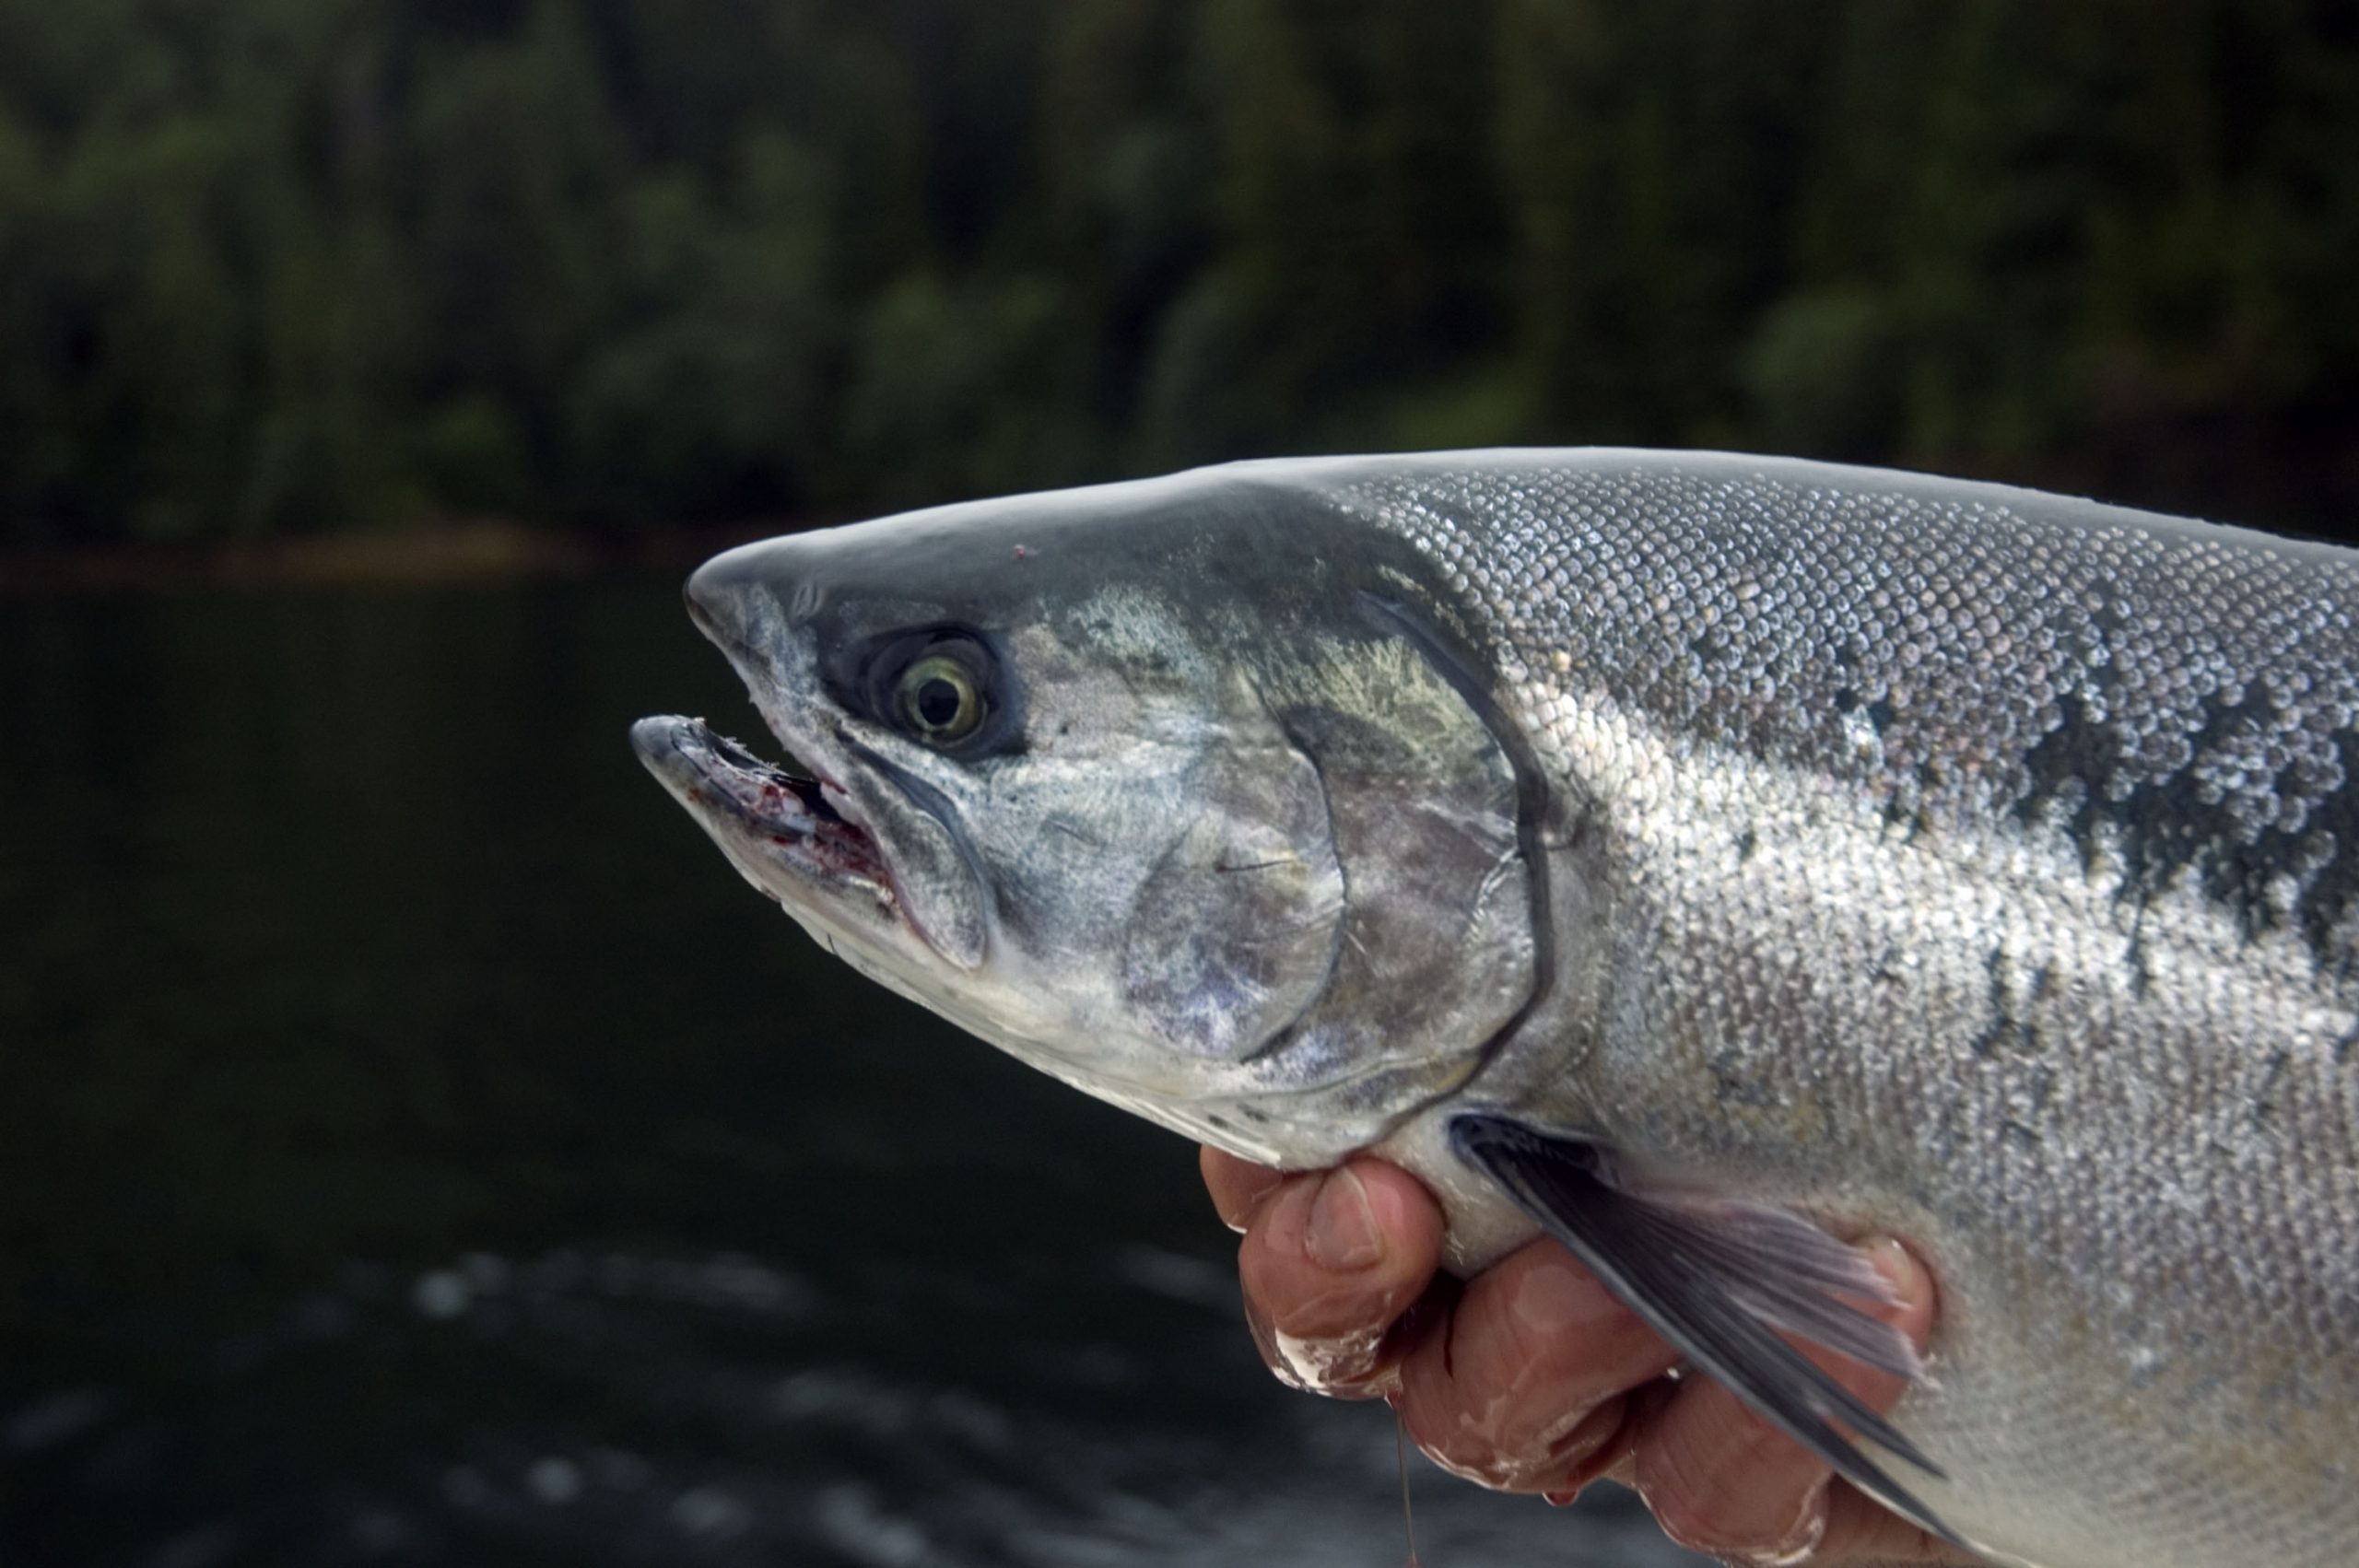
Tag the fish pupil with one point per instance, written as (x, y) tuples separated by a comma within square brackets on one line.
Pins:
[(938, 703)]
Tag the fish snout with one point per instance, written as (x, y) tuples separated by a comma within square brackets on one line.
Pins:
[(725, 594), (781, 576)]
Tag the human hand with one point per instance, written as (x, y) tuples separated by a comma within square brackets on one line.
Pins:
[(1532, 1377)]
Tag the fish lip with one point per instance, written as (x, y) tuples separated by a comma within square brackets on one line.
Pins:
[(768, 820)]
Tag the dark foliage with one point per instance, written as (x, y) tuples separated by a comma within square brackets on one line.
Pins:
[(284, 267)]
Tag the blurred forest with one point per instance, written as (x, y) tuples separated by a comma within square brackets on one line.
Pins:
[(284, 267)]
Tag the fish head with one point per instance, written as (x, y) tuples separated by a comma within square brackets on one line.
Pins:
[(1151, 785)]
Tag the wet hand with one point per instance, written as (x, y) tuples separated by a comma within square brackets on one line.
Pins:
[(1532, 1377)]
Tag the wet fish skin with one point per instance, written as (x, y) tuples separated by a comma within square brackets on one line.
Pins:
[(1961, 862), (1994, 856)]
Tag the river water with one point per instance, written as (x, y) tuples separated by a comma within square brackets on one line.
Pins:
[(417, 1146)]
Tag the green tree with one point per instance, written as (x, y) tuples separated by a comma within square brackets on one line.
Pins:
[(269, 266)]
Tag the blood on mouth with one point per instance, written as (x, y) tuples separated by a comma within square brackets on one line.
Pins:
[(791, 813)]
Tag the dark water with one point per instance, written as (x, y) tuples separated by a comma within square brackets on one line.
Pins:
[(415, 1145)]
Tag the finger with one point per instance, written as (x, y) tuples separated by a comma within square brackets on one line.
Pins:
[(1330, 1260), (1238, 1185), (1522, 1389), (1860, 1531), (1722, 1480)]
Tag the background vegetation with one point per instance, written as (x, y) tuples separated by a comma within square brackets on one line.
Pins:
[(276, 267)]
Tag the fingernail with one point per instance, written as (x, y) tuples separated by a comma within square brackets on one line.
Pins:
[(1343, 1227), (1563, 1499), (1896, 1264)]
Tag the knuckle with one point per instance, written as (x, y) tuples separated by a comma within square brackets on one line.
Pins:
[(1698, 1521), (1723, 1523), (1541, 1318), (1722, 1482), (1336, 1317), (1702, 1512), (1452, 1445), (1518, 1343), (1490, 1441)]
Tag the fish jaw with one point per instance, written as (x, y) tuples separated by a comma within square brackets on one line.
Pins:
[(797, 841)]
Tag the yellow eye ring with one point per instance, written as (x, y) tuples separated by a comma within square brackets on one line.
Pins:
[(938, 701)]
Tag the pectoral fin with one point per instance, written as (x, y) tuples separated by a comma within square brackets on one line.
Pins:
[(1716, 1278)]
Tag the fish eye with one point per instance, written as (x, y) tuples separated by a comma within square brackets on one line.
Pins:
[(938, 701)]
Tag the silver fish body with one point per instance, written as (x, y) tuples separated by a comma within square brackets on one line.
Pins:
[(1960, 862)]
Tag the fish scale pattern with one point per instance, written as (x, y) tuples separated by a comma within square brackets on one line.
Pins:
[(2181, 700), (1985, 863)]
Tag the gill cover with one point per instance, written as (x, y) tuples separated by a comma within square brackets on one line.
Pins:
[(1443, 946)]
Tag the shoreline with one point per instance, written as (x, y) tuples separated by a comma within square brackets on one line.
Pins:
[(433, 556)]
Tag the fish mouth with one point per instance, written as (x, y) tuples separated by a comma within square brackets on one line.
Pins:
[(789, 835)]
